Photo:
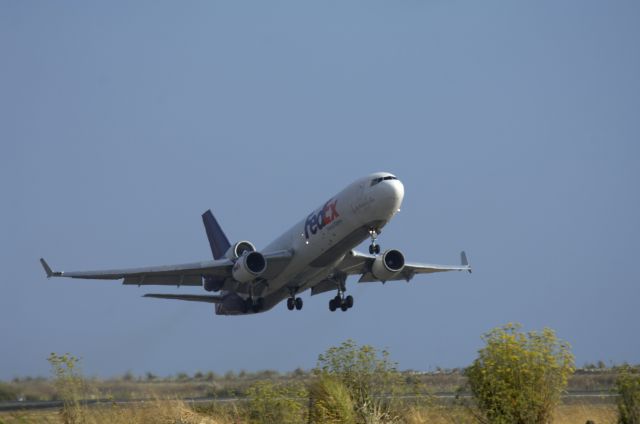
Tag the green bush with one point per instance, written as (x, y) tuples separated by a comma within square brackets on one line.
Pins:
[(518, 377), (275, 404), (7, 393), (628, 388)]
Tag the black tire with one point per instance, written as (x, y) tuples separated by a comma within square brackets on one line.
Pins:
[(344, 307), (377, 249), (337, 300), (290, 304), (298, 303), (332, 305), (349, 301), (372, 249)]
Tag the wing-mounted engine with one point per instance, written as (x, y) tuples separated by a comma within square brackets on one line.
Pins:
[(387, 265), (248, 264)]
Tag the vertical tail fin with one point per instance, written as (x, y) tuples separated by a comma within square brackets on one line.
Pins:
[(217, 240)]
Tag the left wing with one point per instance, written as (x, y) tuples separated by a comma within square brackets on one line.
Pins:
[(361, 263)]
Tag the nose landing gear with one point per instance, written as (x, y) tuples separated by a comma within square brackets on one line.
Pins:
[(373, 247)]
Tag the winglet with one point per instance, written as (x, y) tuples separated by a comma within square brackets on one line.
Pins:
[(217, 240), (464, 261), (48, 270)]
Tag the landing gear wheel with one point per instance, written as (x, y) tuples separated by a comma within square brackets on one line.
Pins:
[(298, 303), (372, 249), (349, 301), (332, 305), (291, 304), (344, 307)]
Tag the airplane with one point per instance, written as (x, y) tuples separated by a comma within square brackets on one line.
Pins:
[(315, 254)]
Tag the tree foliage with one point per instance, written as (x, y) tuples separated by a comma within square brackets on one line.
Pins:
[(518, 377), (628, 388)]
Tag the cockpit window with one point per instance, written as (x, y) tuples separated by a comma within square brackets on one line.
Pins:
[(380, 179)]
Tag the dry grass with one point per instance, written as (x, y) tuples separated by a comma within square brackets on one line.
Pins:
[(564, 414), (174, 412), (153, 412)]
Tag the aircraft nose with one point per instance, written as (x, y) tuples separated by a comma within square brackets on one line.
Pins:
[(393, 193)]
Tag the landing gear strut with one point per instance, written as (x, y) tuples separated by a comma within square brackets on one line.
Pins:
[(373, 247), (253, 305)]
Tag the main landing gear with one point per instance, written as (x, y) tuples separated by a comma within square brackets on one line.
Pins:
[(253, 305), (342, 302), (294, 302), (373, 247)]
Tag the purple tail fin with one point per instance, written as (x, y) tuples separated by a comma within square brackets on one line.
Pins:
[(217, 240)]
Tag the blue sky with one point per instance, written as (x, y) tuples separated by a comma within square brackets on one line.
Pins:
[(514, 126)]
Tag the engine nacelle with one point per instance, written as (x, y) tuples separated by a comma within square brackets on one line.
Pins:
[(387, 265), (236, 250), (249, 266)]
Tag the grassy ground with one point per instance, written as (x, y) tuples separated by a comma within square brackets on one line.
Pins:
[(221, 387), (180, 412)]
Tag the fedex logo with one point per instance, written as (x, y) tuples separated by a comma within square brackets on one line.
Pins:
[(318, 220)]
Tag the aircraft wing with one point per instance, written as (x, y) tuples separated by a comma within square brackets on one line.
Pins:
[(361, 263), (190, 297), (189, 274)]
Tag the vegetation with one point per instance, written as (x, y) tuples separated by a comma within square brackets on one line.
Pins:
[(370, 378), (69, 385), (628, 389), (518, 377), (276, 404)]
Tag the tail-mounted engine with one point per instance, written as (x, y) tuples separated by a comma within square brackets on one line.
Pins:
[(387, 265), (238, 249)]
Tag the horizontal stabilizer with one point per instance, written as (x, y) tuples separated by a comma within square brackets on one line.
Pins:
[(190, 297)]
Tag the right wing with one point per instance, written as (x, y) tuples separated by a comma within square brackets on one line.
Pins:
[(190, 274), (182, 275), (190, 297)]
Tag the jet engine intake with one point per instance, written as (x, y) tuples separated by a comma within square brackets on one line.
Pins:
[(236, 250), (249, 266), (387, 265)]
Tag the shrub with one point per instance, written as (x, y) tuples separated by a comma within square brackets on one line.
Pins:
[(628, 388), (275, 404), (518, 377), (330, 402), (370, 377), (70, 386)]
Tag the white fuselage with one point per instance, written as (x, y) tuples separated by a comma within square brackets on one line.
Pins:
[(322, 239)]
